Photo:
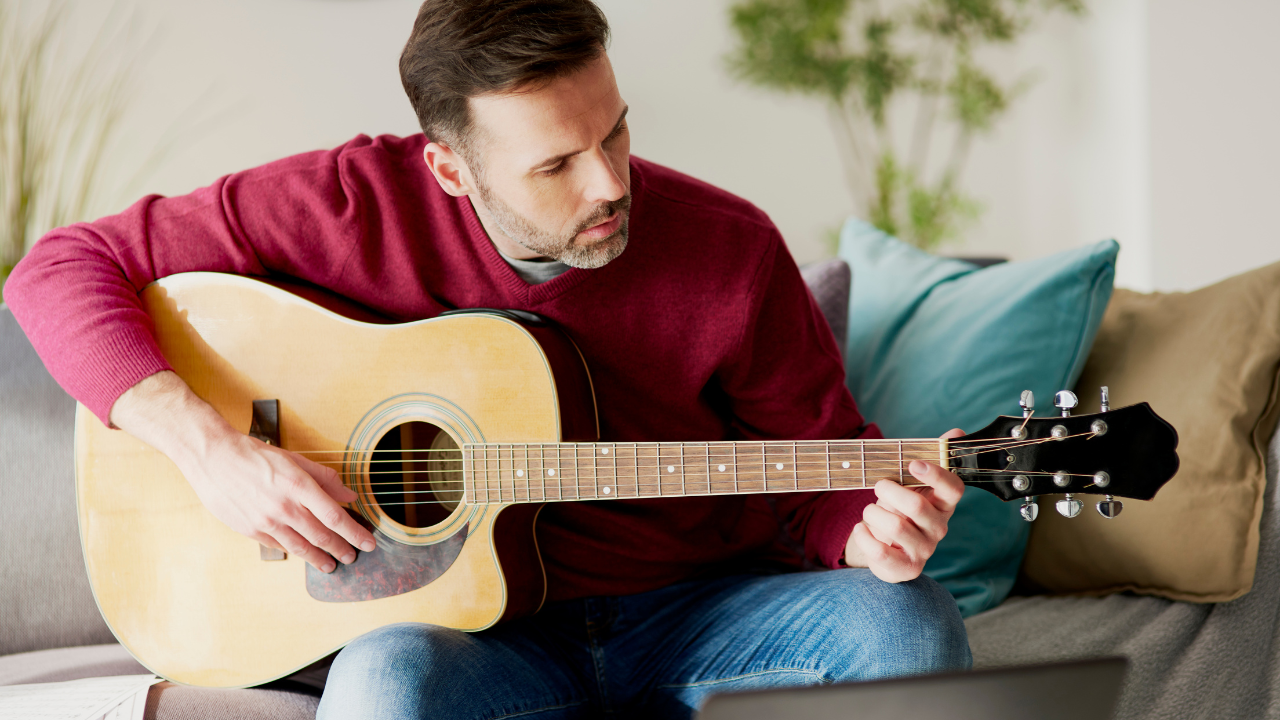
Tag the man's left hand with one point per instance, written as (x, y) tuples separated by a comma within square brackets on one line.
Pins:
[(902, 529)]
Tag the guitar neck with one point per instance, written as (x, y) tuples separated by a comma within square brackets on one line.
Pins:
[(503, 473)]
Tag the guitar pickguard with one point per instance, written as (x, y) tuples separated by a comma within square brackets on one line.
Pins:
[(392, 569)]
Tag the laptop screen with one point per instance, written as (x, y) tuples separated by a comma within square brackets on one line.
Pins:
[(1079, 690)]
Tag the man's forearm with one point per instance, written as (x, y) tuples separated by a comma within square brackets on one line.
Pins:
[(163, 412)]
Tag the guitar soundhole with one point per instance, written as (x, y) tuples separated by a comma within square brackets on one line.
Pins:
[(416, 474)]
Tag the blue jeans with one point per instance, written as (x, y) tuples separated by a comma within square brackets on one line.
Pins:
[(654, 655)]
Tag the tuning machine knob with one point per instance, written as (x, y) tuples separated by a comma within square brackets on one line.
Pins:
[(1110, 507), (1066, 401), (1029, 509), (1068, 506), (1028, 403)]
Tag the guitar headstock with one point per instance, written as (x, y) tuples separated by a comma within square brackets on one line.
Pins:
[(1129, 452)]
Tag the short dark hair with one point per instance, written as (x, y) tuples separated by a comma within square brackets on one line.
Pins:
[(463, 48)]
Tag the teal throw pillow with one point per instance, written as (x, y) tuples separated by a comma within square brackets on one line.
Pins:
[(935, 343)]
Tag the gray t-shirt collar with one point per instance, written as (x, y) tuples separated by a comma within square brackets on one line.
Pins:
[(535, 272)]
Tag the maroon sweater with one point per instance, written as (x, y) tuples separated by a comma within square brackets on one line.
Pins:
[(701, 330)]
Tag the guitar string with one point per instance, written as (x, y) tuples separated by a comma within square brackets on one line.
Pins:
[(927, 446), (818, 443), (748, 468), (766, 481), (458, 455), (461, 458), (790, 488)]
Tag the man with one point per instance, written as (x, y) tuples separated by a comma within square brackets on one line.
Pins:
[(687, 307)]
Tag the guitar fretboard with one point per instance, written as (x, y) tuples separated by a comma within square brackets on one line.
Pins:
[(495, 473)]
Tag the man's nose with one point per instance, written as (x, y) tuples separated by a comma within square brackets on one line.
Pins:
[(604, 182)]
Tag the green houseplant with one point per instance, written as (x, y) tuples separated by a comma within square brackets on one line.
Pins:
[(61, 106), (868, 60)]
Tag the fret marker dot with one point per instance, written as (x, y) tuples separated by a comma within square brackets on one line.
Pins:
[(604, 451), (671, 468), (519, 473), (721, 468), (844, 465), (551, 473), (607, 490), (779, 466)]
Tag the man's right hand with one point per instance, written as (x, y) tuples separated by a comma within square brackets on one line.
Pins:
[(276, 497)]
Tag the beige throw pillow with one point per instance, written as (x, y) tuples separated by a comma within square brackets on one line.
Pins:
[(1208, 362)]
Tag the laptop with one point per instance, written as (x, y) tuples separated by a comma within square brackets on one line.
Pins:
[(1078, 690)]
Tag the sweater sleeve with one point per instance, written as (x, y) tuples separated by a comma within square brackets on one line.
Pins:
[(786, 381), (76, 293)]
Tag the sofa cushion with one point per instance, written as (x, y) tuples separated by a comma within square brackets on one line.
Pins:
[(45, 601), (180, 702), (73, 663), (1208, 362), (936, 343), (829, 281)]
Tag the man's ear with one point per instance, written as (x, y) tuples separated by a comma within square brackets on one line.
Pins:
[(450, 169)]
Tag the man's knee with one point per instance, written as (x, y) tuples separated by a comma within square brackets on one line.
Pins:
[(389, 671), (881, 629)]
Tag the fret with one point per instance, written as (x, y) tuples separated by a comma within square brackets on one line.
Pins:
[(657, 465), (559, 472), (488, 475), (795, 466), (498, 470), (707, 458), (493, 475), (488, 484), (595, 469), (862, 455), (827, 450), (635, 466), (764, 466), (683, 491), (475, 476), (616, 486), (475, 480), (511, 457), (901, 472), (488, 480), (735, 466), (516, 471)]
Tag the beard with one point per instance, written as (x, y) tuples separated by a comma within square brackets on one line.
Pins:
[(587, 255)]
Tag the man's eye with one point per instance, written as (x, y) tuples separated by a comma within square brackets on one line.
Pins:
[(555, 169)]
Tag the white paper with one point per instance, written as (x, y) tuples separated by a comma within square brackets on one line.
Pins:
[(123, 697)]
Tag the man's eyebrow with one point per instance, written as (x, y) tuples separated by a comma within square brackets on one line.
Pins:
[(558, 158)]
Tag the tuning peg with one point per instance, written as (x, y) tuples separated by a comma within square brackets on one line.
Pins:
[(1110, 507), (1029, 509), (1065, 400), (1068, 506), (1106, 398), (1028, 403)]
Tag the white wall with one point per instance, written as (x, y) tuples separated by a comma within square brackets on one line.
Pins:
[(1215, 138), (1109, 142)]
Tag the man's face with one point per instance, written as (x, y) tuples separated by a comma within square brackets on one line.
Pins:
[(551, 167)]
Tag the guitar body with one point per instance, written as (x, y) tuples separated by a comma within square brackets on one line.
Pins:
[(196, 602)]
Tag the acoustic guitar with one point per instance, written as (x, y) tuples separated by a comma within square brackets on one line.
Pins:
[(454, 432)]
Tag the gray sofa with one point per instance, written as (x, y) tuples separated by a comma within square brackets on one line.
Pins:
[(1187, 661)]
